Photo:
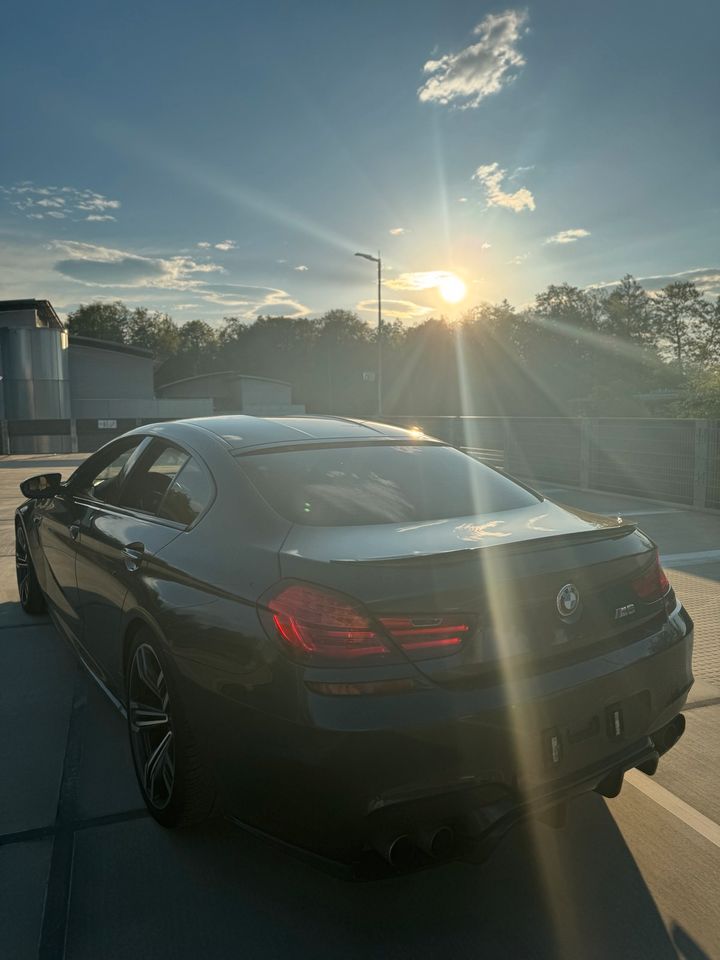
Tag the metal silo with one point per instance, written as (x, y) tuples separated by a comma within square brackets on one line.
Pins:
[(36, 388)]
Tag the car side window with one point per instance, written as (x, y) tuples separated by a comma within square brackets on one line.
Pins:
[(102, 480), (188, 495), (152, 476)]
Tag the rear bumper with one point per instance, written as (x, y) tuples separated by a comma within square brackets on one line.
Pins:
[(437, 754)]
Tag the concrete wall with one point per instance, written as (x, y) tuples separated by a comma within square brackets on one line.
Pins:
[(261, 394), (238, 394), (121, 408), (103, 372)]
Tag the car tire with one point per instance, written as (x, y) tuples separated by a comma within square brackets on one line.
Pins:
[(32, 599), (174, 780)]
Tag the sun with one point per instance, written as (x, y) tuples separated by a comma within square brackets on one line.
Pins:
[(452, 289)]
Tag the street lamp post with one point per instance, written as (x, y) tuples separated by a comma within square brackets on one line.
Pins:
[(378, 261)]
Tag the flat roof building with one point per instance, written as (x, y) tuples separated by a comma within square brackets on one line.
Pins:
[(59, 393)]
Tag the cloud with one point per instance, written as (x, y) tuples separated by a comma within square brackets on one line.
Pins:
[(223, 245), (462, 199), (301, 268), (106, 267), (485, 245), (568, 236), (58, 202), (397, 231), (491, 176), (518, 171), (520, 258), (398, 309), (707, 280), (465, 78), (421, 280), (254, 301)]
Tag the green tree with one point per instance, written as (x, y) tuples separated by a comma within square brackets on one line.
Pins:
[(677, 310), (703, 395), (703, 347), (197, 343), (154, 331), (104, 321), (628, 312)]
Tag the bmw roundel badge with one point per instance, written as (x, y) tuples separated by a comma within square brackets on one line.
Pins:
[(568, 600)]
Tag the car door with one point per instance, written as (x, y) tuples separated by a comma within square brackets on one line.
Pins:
[(57, 524), (115, 552)]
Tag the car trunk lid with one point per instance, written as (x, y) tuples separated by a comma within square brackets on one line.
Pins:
[(504, 573)]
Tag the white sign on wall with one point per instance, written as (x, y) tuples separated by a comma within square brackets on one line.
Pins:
[(107, 424)]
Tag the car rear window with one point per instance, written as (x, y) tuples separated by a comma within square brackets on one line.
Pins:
[(350, 485)]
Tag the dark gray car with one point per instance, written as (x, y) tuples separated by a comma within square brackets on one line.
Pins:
[(352, 636)]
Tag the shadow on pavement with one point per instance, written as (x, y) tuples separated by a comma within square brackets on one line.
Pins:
[(141, 891), (129, 889), (689, 950)]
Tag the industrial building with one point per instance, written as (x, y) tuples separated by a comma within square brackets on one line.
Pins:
[(60, 393)]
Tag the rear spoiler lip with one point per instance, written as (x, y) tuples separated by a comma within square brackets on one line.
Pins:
[(468, 553)]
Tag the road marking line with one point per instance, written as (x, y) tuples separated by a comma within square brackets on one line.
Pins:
[(691, 817), (690, 559)]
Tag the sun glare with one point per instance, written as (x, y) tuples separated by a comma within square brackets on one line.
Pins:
[(452, 289)]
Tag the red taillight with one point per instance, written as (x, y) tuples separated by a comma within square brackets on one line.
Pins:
[(320, 623), (427, 636), (653, 584), (317, 623)]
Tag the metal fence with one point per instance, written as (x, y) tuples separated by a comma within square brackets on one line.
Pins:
[(673, 460)]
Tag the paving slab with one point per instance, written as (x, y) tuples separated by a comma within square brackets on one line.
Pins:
[(699, 589), (692, 769), (140, 891), (675, 529), (104, 777), (23, 876), (38, 681), (682, 869)]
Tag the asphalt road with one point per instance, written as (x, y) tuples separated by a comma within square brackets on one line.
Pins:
[(84, 873)]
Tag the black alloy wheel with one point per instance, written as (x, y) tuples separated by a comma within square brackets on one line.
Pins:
[(174, 781), (31, 595)]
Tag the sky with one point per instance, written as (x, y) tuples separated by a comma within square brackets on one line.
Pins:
[(229, 158)]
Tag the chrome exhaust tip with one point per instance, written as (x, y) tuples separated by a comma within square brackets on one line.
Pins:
[(666, 738), (437, 842), (399, 850)]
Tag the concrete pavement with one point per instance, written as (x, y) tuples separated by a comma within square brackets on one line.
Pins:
[(86, 875)]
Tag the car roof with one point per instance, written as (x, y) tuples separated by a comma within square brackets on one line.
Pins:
[(241, 431)]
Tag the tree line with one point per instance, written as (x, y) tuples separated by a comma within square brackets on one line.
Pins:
[(615, 352)]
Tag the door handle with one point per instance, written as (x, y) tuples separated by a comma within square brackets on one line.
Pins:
[(132, 556), (74, 531)]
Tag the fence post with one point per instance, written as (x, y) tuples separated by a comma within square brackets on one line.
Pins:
[(585, 430), (73, 436), (458, 430), (5, 437), (507, 445), (700, 463)]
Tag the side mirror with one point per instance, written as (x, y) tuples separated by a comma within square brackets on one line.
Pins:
[(41, 487)]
